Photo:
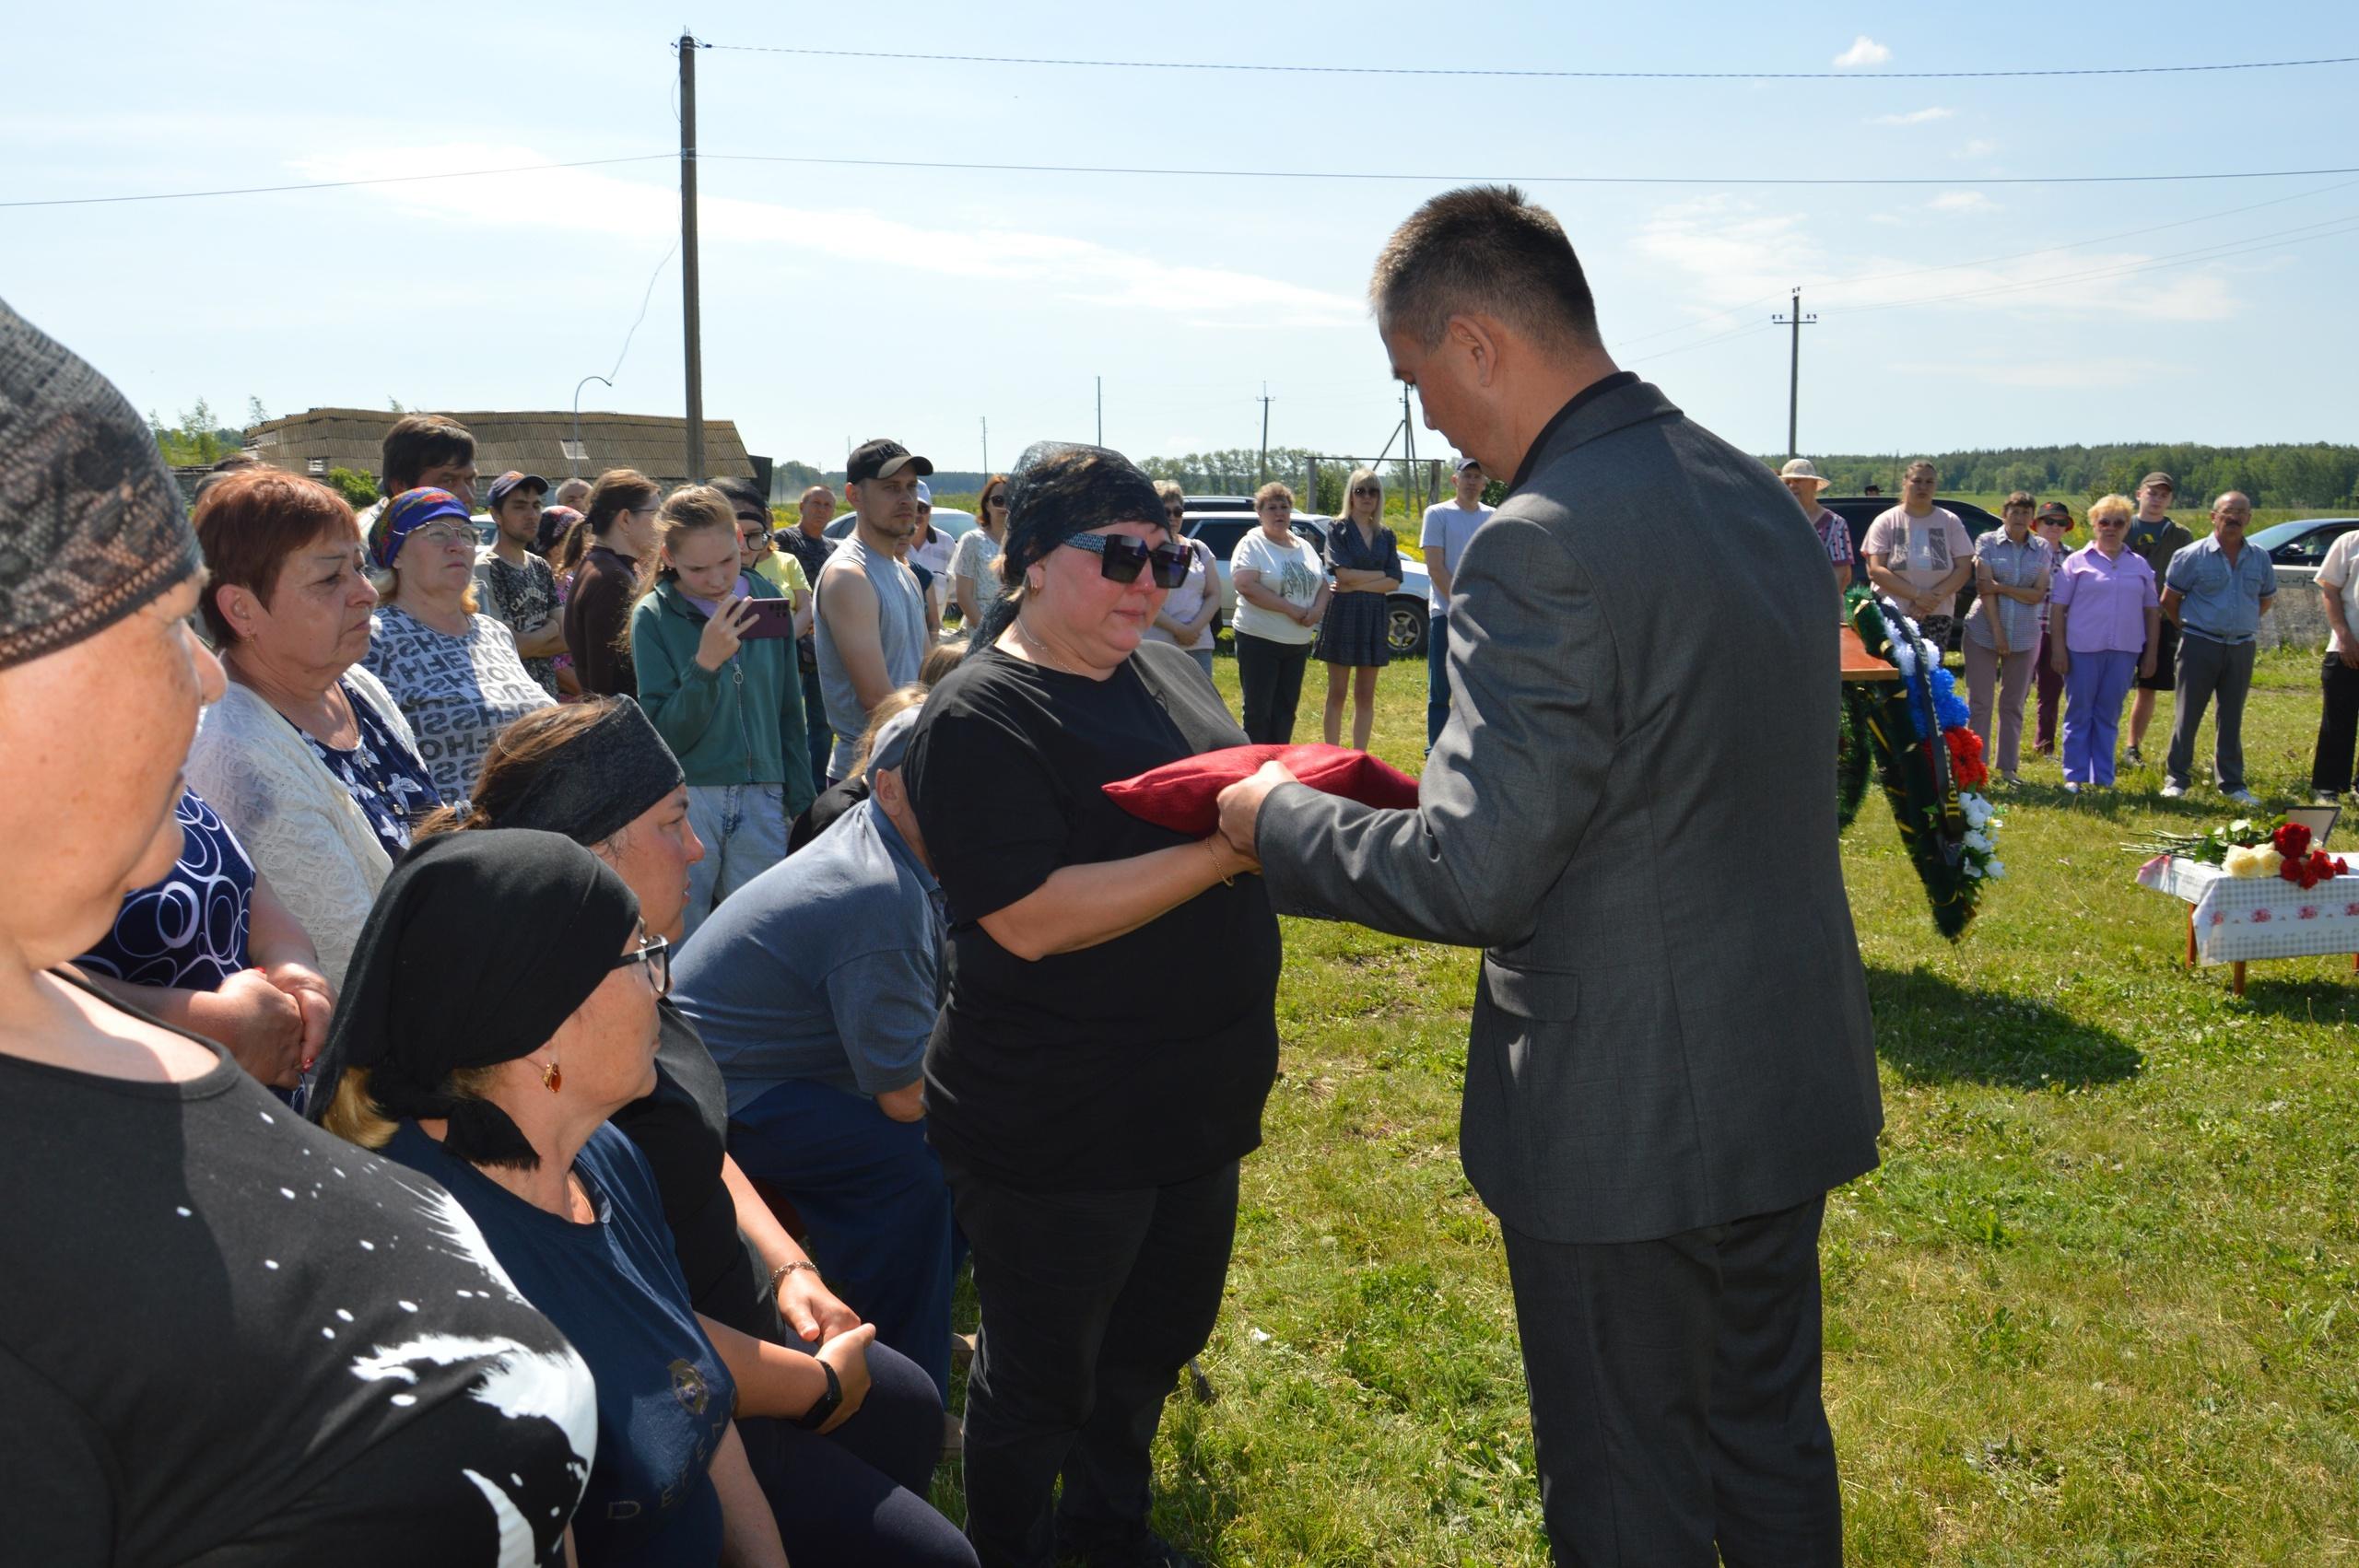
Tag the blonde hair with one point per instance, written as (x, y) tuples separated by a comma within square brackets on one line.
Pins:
[(1352, 483), (940, 660), (357, 1118), (1271, 488), (2111, 506), (899, 700)]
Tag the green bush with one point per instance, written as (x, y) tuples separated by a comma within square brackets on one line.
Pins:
[(357, 488)]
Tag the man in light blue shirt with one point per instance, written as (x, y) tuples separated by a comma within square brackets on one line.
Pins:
[(2216, 591), (815, 987), (1447, 527)]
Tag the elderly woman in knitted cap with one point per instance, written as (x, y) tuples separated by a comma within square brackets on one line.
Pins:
[(1090, 1096), (305, 757), (501, 1006), (848, 1462), (226, 1336), (455, 673)]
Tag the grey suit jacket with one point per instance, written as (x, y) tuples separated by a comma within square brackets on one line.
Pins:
[(1633, 809)]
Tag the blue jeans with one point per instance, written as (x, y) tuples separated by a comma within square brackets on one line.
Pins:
[(815, 719), (2094, 689), (743, 828), (1436, 675), (871, 1190)]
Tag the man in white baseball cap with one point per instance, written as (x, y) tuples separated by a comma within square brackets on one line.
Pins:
[(1806, 482)]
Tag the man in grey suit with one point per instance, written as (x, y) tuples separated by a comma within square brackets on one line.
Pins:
[(1632, 809)]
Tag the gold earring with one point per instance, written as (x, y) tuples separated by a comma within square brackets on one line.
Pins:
[(552, 1077)]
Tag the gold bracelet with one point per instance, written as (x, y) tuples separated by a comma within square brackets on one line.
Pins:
[(1226, 880), (784, 1270)]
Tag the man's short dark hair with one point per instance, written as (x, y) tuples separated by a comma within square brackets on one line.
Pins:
[(420, 441), (1483, 249)]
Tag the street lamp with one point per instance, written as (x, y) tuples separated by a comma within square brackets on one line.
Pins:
[(573, 451)]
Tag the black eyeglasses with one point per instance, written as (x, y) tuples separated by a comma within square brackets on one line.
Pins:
[(1120, 558), (656, 953), (1365, 490)]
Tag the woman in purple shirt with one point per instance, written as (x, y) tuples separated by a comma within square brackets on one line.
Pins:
[(2101, 634)]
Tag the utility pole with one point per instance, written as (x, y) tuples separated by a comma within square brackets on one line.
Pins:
[(1796, 320), (692, 334), (1101, 411), (1264, 471), (987, 447), (1408, 447)]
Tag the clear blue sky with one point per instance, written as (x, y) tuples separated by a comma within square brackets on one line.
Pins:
[(842, 302)]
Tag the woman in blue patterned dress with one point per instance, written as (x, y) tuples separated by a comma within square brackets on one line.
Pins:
[(1364, 561)]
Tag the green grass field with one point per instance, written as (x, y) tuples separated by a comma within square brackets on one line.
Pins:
[(2097, 1307)]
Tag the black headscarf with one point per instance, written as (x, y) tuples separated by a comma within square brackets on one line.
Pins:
[(92, 522), (601, 782), (480, 946), (1058, 489)]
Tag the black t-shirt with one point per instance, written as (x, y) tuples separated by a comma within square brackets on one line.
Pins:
[(1143, 1061), (230, 1337), (683, 1128)]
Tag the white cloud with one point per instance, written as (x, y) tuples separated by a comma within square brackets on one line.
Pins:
[(1865, 51), (1961, 201), (1980, 146), (1913, 117), (1734, 254), (592, 202)]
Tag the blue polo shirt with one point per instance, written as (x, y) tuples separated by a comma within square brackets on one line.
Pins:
[(2221, 600), (826, 969)]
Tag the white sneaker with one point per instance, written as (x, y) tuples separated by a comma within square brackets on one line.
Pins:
[(2325, 798), (2241, 797), (2071, 786), (2174, 791)]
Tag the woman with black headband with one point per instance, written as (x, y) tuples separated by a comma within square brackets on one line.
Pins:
[(849, 1460), (501, 1006), (224, 1336), (1090, 1092)]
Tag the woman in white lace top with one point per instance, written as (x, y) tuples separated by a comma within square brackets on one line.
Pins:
[(305, 756)]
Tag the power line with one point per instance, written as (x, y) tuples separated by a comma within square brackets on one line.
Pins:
[(337, 184), (1548, 75), (703, 157), (1754, 304), (1525, 178)]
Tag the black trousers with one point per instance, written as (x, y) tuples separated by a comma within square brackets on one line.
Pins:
[(2331, 763), (1675, 1396), (1269, 676), (1092, 1302)]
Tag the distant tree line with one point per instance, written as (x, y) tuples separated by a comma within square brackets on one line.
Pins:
[(2320, 474)]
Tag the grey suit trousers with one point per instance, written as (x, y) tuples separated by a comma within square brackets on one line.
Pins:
[(1675, 1396)]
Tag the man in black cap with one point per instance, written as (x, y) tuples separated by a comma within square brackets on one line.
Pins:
[(517, 587), (2156, 539), (870, 629)]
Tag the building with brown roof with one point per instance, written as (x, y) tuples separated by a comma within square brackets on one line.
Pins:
[(321, 438)]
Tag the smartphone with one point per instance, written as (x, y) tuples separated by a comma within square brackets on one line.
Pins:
[(771, 618)]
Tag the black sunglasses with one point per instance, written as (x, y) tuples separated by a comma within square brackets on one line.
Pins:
[(1120, 558), (656, 953)]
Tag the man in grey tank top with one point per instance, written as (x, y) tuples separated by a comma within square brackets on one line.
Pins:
[(870, 629)]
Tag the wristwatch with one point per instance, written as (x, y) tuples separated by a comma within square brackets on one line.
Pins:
[(824, 1408)]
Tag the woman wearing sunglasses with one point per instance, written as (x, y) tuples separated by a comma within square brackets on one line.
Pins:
[(974, 560), (1186, 620), (1100, 1067), (1364, 561)]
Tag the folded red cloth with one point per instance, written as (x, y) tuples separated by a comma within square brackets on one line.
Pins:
[(1185, 795)]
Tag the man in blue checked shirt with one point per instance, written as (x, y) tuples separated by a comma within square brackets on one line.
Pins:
[(2216, 591)]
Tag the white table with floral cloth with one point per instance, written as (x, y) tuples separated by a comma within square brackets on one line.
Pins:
[(2232, 919)]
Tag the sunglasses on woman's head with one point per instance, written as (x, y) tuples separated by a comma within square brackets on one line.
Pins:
[(1120, 558)]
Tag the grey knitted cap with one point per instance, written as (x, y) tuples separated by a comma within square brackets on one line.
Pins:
[(91, 523)]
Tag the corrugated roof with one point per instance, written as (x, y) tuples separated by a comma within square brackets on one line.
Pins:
[(655, 444)]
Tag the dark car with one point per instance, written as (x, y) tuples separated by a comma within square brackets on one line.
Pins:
[(1859, 512), (2302, 543)]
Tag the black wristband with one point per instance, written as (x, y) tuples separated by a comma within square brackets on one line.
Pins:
[(825, 1406)]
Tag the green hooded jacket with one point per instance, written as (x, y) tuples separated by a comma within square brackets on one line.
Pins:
[(739, 724)]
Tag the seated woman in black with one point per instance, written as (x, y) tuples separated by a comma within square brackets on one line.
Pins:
[(226, 1337), (849, 1462), (500, 1006), (1090, 1097)]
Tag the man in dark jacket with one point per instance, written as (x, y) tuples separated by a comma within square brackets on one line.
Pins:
[(1632, 809)]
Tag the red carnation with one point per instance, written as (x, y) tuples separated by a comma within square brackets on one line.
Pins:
[(2291, 840), (2293, 868), (1965, 757)]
